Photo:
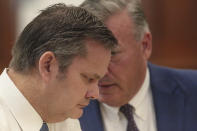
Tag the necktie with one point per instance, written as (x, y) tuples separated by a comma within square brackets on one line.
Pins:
[(44, 127), (127, 110)]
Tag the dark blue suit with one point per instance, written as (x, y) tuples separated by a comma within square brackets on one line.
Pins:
[(175, 100)]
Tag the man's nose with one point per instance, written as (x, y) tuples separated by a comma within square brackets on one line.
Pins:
[(93, 92)]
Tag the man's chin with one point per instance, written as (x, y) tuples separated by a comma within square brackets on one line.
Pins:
[(107, 99), (77, 114)]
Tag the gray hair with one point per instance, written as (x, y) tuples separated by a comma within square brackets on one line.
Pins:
[(62, 30), (106, 8)]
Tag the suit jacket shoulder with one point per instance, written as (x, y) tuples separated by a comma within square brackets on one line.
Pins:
[(174, 95)]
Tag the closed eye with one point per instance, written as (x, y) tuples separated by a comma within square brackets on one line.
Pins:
[(113, 53), (88, 79), (116, 51), (91, 80)]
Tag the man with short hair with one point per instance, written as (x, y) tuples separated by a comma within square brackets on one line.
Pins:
[(54, 72), (136, 95)]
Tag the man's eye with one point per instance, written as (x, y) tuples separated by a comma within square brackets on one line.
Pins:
[(90, 80), (113, 53)]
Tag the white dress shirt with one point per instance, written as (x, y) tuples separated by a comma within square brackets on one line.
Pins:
[(67, 125), (17, 114), (144, 114)]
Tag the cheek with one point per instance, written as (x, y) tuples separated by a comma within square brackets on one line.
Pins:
[(80, 90), (122, 73), (74, 91), (120, 68)]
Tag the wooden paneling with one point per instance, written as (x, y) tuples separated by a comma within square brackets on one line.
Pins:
[(7, 30), (174, 27)]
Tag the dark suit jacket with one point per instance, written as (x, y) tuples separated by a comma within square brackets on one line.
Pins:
[(175, 100)]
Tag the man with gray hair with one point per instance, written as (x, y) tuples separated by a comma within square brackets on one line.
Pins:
[(136, 95), (54, 72)]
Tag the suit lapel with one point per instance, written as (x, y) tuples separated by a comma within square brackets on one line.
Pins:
[(168, 98), (91, 119)]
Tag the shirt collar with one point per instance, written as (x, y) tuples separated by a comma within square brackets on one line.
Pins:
[(22, 110), (109, 111), (66, 125), (141, 98)]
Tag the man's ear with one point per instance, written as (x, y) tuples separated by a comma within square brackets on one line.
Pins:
[(147, 45), (48, 66)]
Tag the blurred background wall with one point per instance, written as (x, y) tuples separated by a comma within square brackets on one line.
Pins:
[(7, 31), (173, 25)]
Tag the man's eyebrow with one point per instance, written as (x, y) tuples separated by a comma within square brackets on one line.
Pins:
[(95, 76)]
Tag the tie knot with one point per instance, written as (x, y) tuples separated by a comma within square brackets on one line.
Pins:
[(44, 127), (127, 110)]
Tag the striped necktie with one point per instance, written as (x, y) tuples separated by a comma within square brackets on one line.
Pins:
[(127, 110)]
